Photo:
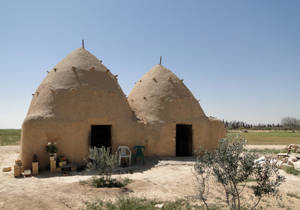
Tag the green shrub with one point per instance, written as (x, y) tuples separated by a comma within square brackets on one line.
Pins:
[(291, 170), (250, 180), (232, 167), (103, 182), (51, 147), (121, 203), (103, 161), (141, 204)]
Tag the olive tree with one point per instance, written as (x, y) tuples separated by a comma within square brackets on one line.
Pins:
[(232, 166)]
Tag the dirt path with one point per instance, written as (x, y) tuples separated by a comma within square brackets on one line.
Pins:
[(165, 180)]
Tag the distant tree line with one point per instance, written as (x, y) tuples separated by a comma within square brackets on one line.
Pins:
[(291, 123), (287, 123)]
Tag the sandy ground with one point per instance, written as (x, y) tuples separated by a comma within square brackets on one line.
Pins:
[(278, 146), (161, 179)]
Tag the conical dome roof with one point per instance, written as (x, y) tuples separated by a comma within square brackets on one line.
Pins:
[(159, 96), (78, 87)]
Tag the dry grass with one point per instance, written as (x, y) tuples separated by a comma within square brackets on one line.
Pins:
[(291, 170), (293, 195), (267, 151)]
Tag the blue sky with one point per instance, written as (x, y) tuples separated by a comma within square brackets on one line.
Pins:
[(240, 58)]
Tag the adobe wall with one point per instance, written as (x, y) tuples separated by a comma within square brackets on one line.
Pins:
[(160, 139), (72, 138), (216, 131), (65, 115)]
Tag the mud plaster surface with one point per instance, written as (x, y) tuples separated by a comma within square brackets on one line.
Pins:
[(80, 92)]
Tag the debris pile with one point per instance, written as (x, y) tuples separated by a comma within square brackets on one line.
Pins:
[(293, 148), (291, 158)]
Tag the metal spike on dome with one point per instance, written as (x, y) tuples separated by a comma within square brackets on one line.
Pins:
[(160, 59), (82, 43)]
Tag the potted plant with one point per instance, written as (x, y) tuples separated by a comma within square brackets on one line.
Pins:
[(52, 149), (62, 161)]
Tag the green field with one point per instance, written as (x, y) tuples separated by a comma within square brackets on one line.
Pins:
[(9, 136), (12, 137), (268, 137)]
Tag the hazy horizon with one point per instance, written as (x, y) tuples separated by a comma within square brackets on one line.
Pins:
[(241, 59)]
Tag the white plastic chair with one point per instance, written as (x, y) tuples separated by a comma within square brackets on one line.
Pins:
[(124, 152)]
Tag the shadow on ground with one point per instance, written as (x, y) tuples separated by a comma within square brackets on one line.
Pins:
[(138, 167)]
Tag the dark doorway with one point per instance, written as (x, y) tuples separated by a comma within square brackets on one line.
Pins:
[(101, 136), (184, 140)]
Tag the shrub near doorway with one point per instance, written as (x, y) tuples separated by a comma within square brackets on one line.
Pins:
[(103, 161)]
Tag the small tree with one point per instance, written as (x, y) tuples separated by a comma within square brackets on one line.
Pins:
[(232, 166), (102, 160), (203, 177)]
